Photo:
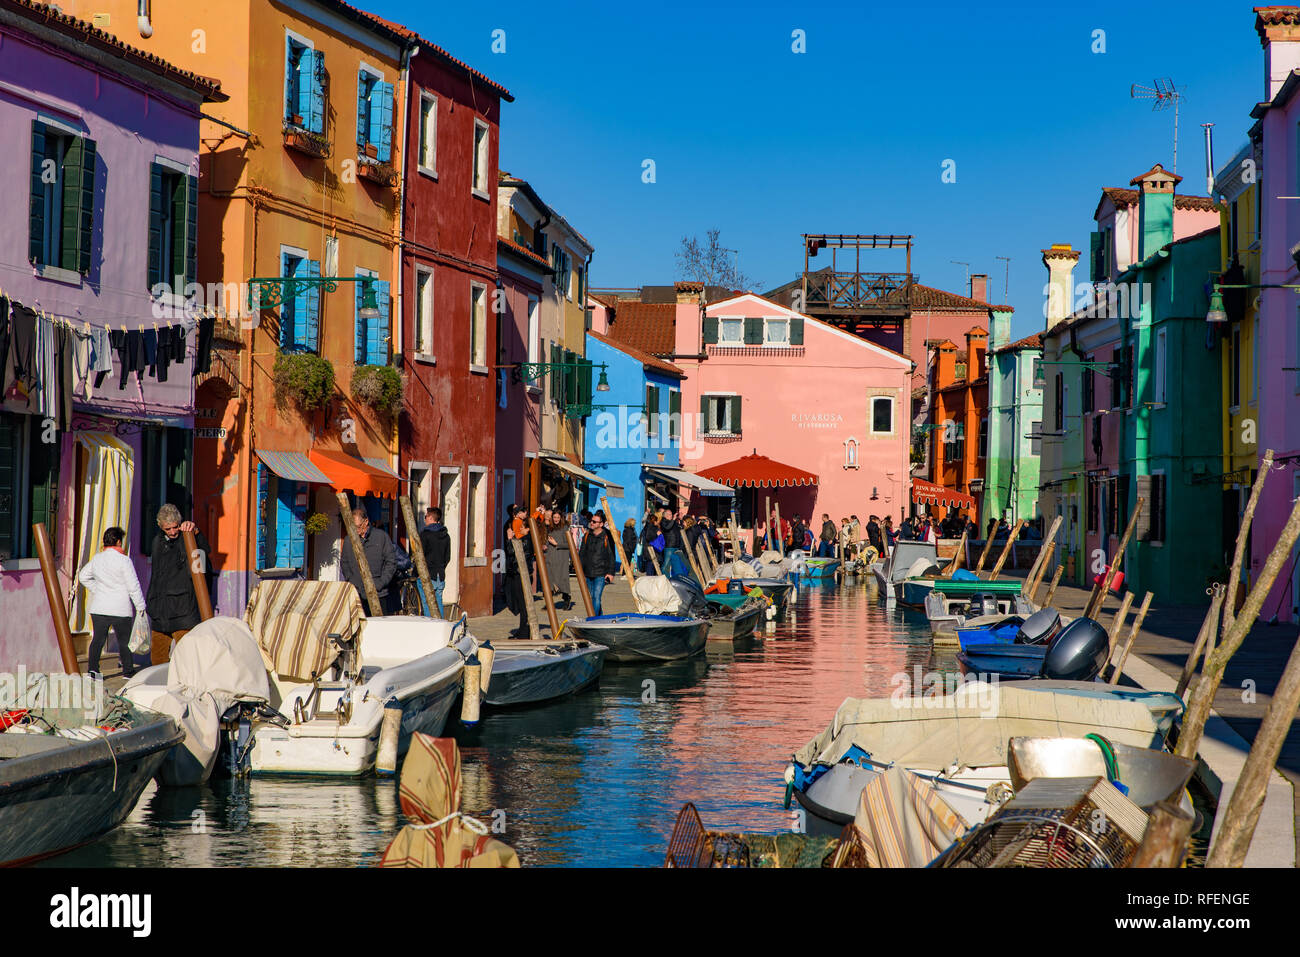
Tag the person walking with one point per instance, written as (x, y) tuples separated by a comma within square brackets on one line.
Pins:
[(599, 561), (436, 542), (172, 604), (556, 555), (651, 541), (826, 540), (378, 554), (115, 600), (629, 538), (516, 600)]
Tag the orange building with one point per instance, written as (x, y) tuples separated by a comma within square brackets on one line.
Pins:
[(959, 416)]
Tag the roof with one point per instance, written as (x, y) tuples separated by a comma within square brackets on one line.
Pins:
[(1122, 196), (50, 16), (1156, 169), (522, 251), (928, 297), (510, 180), (647, 360), (1028, 342), (758, 471), (1274, 16), (650, 327), (409, 37)]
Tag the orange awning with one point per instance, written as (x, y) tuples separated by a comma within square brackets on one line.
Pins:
[(347, 473), (932, 494)]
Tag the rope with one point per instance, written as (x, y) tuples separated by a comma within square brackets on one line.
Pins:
[(472, 823)]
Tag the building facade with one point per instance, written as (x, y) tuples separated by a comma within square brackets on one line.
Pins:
[(1015, 425)]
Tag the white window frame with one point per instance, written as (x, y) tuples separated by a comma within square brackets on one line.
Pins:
[(740, 338), (423, 488), (704, 426), (429, 142), (893, 416), (1160, 377), (534, 335), (366, 68), (768, 322), (480, 163), (481, 322), (476, 525), (424, 300)]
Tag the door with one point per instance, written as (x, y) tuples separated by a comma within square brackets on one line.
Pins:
[(449, 496), (505, 498)]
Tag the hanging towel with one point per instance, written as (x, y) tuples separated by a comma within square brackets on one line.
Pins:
[(22, 345), (203, 360), (47, 369), (65, 347)]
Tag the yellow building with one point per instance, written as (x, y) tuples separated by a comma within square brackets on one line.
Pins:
[(299, 179)]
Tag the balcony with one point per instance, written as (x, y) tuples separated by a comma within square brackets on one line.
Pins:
[(304, 141), (380, 173)]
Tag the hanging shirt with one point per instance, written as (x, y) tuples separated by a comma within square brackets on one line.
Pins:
[(203, 360), (22, 346), (82, 364)]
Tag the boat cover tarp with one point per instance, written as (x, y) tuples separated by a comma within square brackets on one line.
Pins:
[(430, 797), (903, 822), (971, 727), (292, 621), (215, 665), (736, 570), (655, 595)]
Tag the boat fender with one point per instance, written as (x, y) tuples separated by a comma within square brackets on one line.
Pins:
[(486, 655), (472, 692), (789, 785), (390, 730)]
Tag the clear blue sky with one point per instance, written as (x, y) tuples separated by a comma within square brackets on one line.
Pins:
[(767, 144)]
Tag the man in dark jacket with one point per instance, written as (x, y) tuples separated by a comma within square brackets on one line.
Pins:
[(379, 555), (599, 560), (172, 604), (436, 542), (826, 541)]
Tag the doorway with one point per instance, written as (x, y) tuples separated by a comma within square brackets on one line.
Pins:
[(449, 496)]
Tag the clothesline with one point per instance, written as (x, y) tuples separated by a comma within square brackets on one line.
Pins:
[(87, 325), (147, 299)]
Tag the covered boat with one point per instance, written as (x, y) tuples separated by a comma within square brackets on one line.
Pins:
[(528, 672), (906, 558), (65, 780), (634, 636)]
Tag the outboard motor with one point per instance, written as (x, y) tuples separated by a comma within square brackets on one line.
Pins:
[(1078, 652), (1039, 628), (981, 603)]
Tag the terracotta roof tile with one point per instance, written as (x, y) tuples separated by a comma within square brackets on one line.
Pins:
[(644, 358), (1028, 342), (648, 326), (1121, 196), (84, 32), (928, 297), (524, 251)]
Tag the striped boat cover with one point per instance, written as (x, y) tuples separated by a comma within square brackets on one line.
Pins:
[(105, 502), (292, 621), (429, 792), (902, 821)]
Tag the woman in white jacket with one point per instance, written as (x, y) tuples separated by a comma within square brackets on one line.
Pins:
[(114, 588)]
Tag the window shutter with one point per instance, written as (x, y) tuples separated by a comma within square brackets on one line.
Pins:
[(735, 414), (710, 330), (305, 82), (363, 111), (290, 516), (753, 331), (556, 374), (191, 229), (1143, 528), (674, 414), (382, 332), (316, 82), (584, 384), (311, 328), (155, 224), (263, 480), (44, 480), (1095, 248), (38, 212), (570, 379), (78, 204), (385, 114), (358, 326), (705, 424), (8, 485), (796, 330), (179, 205), (288, 309), (290, 106)]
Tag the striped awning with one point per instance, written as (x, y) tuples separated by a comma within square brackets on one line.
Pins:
[(351, 473), (564, 465), (381, 464), (102, 440), (292, 465), (932, 494), (691, 480)]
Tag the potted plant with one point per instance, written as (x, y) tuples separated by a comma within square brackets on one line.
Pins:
[(303, 379), (315, 523), (379, 387)]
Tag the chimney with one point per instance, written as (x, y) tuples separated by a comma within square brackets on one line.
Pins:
[(1279, 35), (977, 344), (687, 292), (1155, 209), (945, 364), (979, 286), (999, 328), (1060, 261)]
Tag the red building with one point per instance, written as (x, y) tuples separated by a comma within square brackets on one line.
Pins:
[(449, 309), (959, 418)]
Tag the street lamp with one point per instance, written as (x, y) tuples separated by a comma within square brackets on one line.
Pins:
[(1217, 313), (369, 302)]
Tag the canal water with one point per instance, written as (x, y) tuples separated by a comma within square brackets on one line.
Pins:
[(596, 779)]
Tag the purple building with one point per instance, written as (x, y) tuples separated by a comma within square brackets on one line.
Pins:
[(97, 361)]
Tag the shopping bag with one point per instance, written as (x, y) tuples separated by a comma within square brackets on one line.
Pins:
[(141, 636)]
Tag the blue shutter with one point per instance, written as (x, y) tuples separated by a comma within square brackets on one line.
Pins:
[(290, 103), (379, 327), (290, 515), (359, 325), (316, 83), (303, 81), (384, 91), (263, 478), (311, 327), (289, 308), (363, 108)]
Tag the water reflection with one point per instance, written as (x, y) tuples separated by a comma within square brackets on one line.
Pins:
[(596, 779)]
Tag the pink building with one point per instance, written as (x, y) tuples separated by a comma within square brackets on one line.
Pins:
[(764, 379)]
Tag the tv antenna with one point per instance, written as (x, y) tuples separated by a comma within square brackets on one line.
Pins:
[(1006, 289), (958, 262), (1165, 94)]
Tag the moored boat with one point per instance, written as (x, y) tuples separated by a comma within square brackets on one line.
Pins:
[(729, 621), (528, 672), (642, 637), (820, 569)]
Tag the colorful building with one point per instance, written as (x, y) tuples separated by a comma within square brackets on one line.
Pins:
[(453, 337), (1015, 424), (959, 418), (84, 111)]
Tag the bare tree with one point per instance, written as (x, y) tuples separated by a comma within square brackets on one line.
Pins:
[(711, 263)]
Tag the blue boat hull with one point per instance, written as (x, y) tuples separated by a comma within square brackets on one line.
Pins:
[(1003, 660)]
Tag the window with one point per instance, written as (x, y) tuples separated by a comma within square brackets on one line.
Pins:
[(480, 158), (580, 276), (652, 411), (776, 332), (476, 531), (423, 311), (954, 443), (477, 326), (983, 440), (882, 415), (281, 521), (429, 134), (1058, 411), (421, 486), (1093, 501), (1035, 437), (1234, 367), (560, 269), (374, 114), (300, 316), (720, 414), (1121, 385), (731, 332), (372, 332), (29, 479), (1151, 523), (534, 335), (674, 414), (173, 227), (62, 208), (1117, 505), (304, 85)]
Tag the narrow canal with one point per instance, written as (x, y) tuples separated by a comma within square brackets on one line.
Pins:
[(594, 780)]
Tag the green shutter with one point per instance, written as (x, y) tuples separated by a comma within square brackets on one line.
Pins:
[(1142, 530), (36, 218), (78, 204), (155, 224), (796, 331), (179, 206), (584, 383), (44, 478), (675, 414), (191, 229), (710, 330), (735, 414), (556, 374), (1095, 246), (753, 331), (9, 478)]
